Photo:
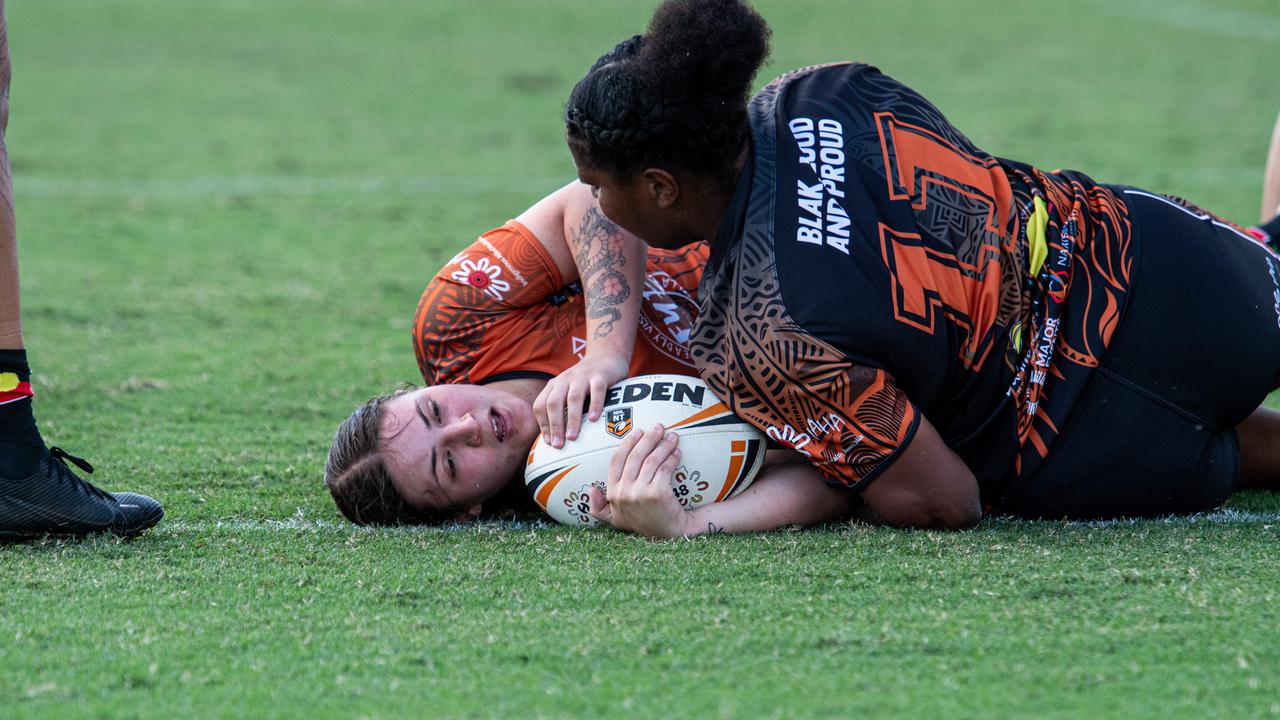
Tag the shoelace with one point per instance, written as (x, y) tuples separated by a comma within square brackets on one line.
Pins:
[(62, 456)]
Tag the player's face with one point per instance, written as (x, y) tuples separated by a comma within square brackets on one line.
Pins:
[(455, 445), (632, 207)]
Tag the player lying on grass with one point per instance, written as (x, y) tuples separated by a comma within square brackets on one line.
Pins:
[(945, 332), (39, 494), (496, 323)]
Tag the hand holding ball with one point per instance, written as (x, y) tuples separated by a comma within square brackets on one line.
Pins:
[(719, 453)]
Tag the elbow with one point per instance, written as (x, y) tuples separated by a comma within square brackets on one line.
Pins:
[(959, 507), (931, 510), (926, 512), (958, 516)]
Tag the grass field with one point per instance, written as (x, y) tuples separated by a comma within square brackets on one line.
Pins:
[(227, 211)]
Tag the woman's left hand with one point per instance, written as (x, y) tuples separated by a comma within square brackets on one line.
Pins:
[(639, 497)]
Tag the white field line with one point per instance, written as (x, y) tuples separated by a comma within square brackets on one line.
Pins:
[(335, 527), (1223, 516), (458, 186), (1198, 16), (283, 185), (301, 524)]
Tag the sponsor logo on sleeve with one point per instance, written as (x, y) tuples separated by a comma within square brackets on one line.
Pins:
[(482, 275), (821, 427), (515, 272), (789, 436)]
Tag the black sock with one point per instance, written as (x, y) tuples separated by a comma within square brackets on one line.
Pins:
[(1272, 229), (20, 442)]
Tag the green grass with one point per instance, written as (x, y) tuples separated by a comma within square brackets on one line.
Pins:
[(226, 214), (299, 620)]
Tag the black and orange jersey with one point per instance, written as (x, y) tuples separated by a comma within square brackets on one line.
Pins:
[(500, 309), (875, 267)]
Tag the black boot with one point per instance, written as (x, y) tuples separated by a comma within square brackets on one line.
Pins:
[(53, 500), (39, 494)]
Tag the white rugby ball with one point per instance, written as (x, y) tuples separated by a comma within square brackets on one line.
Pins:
[(720, 453)]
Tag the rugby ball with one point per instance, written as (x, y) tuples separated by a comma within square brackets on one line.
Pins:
[(720, 454)]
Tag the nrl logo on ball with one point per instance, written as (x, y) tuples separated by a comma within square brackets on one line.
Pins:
[(618, 422)]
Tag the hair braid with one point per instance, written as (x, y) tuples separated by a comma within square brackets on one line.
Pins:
[(676, 95)]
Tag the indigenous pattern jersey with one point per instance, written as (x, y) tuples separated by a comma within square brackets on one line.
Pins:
[(499, 309), (875, 267)]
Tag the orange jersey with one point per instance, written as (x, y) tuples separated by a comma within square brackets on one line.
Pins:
[(500, 310)]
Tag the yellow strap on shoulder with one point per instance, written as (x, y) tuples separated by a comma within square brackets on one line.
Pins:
[(1036, 242)]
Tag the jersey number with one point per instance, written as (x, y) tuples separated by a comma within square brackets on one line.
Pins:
[(929, 280)]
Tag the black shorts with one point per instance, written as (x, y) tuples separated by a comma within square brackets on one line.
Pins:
[(1197, 351)]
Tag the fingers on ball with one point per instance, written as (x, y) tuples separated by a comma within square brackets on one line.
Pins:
[(598, 390)]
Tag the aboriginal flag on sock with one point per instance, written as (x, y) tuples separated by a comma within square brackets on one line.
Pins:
[(20, 442), (12, 389), (15, 377)]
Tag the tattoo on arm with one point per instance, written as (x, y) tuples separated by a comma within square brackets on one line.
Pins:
[(600, 253), (714, 529)]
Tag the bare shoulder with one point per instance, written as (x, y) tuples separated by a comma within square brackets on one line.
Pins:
[(547, 220), (546, 217)]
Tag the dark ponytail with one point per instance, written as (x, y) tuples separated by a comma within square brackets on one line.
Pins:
[(674, 97)]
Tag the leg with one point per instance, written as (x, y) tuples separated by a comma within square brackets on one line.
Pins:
[(39, 494), (1228, 356), (10, 318), (1271, 183), (1260, 432), (1268, 230), (20, 443), (1260, 450), (1194, 355)]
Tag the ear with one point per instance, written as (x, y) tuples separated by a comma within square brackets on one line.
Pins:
[(662, 187), (467, 515)]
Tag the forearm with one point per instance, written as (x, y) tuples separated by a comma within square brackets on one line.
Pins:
[(611, 266), (609, 262), (790, 494)]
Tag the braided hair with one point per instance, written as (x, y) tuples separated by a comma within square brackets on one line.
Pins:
[(675, 96)]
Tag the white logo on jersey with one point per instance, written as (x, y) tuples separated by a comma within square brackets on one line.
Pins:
[(788, 436), (822, 152), (666, 315), (483, 275), (824, 425), (1275, 280)]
